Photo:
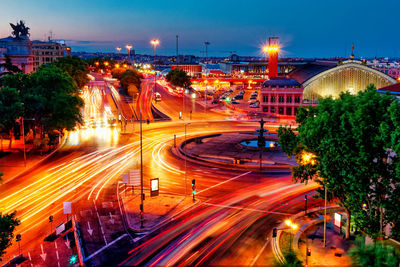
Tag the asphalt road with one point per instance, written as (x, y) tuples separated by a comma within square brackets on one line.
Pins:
[(86, 170)]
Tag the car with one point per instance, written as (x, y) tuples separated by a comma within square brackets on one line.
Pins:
[(234, 101), (253, 97), (238, 97), (215, 101), (223, 97)]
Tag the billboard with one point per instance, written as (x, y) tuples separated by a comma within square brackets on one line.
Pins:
[(154, 187)]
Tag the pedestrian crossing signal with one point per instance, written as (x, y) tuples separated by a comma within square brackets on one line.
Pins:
[(274, 232)]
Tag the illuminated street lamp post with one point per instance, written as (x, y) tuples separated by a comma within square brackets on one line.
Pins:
[(293, 227), (155, 42), (205, 97), (129, 47), (186, 124), (119, 51)]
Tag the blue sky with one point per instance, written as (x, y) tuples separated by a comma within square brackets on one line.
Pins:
[(307, 28)]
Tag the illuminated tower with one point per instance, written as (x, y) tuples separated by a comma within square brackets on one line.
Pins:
[(273, 51)]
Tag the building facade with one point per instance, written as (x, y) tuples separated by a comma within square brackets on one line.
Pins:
[(20, 52), (281, 96), (47, 52)]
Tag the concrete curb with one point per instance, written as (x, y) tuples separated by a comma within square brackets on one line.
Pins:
[(181, 153), (81, 255), (39, 162)]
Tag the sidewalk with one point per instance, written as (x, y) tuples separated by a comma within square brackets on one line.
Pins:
[(12, 160), (335, 252), (157, 210), (310, 236)]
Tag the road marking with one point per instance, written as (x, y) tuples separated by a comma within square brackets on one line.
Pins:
[(29, 256), (243, 208), (259, 253), (55, 244), (103, 248), (226, 181), (57, 254), (43, 255)]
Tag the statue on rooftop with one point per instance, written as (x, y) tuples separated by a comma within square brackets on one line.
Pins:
[(20, 31)]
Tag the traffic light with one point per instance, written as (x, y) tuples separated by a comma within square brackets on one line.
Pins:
[(51, 218), (18, 237), (73, 259), (308, 252), (194, 186), (274, 232)]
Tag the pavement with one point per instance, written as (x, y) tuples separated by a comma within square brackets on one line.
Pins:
[(226, 149), (335, 252), (157, 210), (12, 160), (310, 235)]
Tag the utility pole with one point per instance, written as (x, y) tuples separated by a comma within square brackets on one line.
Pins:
[(23, 139), (261, 140), (177, 55), (141, 173), (206, 43)]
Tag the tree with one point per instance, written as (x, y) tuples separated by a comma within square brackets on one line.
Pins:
[(77, 68), (377, 254), (7, 227), (53, 100), (10, 109), (344, 145), (10, 68), (117, 73), (129, 78), (178, 78)]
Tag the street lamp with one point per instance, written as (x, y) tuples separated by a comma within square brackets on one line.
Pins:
[(186, 124), (293, 227), (155, 42), (129, 47), (119, 51), (205, 96)]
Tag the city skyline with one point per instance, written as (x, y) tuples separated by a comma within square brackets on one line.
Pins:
[(305, 29)]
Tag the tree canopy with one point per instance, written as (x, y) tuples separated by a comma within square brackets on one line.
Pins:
[(8, 222), (346, 145), (178, 78), (8, 66), (77, 68), (10, 108), (130, 78), (49, 96)]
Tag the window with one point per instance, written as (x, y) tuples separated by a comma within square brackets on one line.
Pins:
[(288, 99), (289, 111), (297, 99), (295, 111), (265, 99), (280, 110), (272, 109), (281, 99), (265, 109), (272, 99)]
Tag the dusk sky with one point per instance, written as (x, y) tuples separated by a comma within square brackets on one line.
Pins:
[(306, 28)]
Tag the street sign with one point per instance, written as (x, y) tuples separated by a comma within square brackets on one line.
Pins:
[(154, 187), (125, 178), (67, 207), (134, 177), (60, 229)]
